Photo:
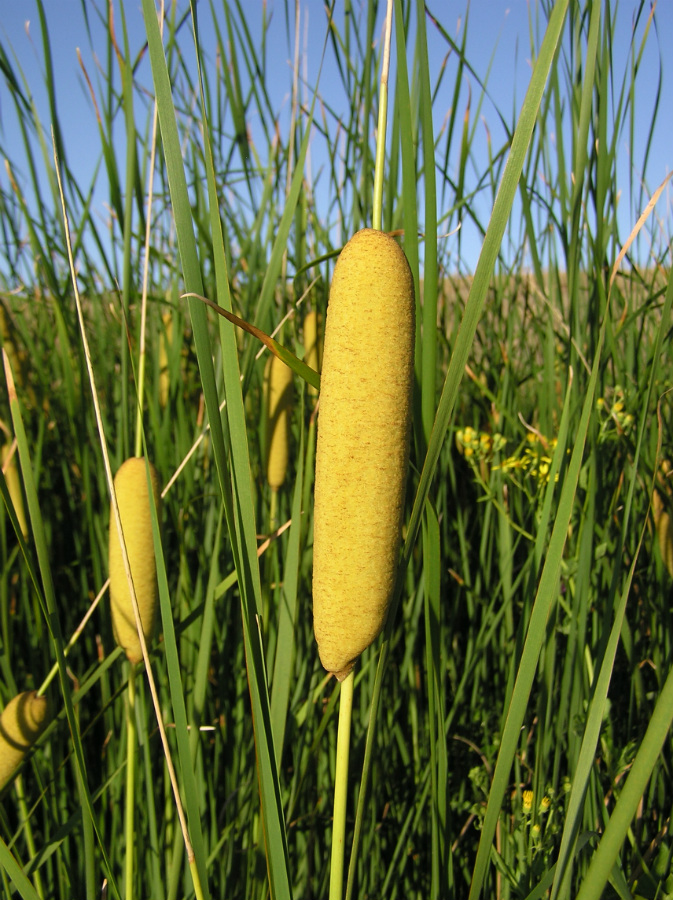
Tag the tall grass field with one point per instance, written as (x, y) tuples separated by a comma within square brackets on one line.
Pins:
[(510, 726)]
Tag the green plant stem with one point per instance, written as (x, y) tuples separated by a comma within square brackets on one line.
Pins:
[(194, 869), (130, 781), (341, 788), (28, 831), (146, 270), (377, 212)]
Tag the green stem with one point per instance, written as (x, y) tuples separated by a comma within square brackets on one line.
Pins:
[(28, 831), (130, 780), (143, 321), (377, 212), (341, 788), (194, 869)]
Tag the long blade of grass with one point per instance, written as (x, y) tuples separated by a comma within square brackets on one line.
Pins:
[(430, 265), (409, 204), (249, 579), (125, 439), (16, 873), (435, 667), (287, 630)]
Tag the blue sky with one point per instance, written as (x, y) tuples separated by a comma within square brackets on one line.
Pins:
[(497, 46)]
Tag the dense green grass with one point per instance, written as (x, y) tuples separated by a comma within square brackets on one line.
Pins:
[(530, 645)]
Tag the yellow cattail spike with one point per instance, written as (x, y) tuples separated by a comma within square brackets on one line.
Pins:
[(22, 722), (135, 511), (278, 382), (312, 346), (165, 343), (362, 452), (664, 528), (11, 473)]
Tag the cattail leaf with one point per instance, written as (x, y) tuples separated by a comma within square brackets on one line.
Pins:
[(16, 873), (287, 612), (297, 365)]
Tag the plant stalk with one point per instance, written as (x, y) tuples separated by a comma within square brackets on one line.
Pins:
[(341, 788), (377, 213), (129, 835)]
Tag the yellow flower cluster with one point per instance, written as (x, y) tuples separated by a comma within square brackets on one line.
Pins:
[(479, 448), (534, 460), (616, 421), (527, 799), (478, 445)]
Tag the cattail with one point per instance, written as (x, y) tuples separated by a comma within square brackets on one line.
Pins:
[(22, 722), (362, 453), (278, 384), (135, 511), (312, 346), (664, 528), (165, 343), (11, 473)]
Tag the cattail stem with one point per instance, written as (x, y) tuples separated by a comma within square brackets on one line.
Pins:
[(377, 212), (131, 739), (341, 788), (24, 815), (146, 270), (273, 511)]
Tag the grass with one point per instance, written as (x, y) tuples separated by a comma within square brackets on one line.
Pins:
[(530, 644)]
